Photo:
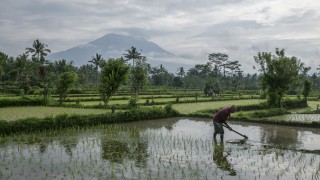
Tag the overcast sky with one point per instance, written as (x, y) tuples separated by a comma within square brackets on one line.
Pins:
[(188, 28)]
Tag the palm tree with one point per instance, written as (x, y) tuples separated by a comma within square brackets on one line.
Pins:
[(133, 54), (96, 61), (38, 50), (181, 72), (62, 66)]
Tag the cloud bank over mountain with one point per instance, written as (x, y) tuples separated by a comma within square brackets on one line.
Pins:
[(189, 29), (114, 46)]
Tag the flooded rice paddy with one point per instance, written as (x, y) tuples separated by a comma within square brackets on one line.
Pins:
[(297, 117), (177, 148)]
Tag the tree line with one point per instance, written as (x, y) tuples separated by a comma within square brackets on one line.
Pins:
[(32, 71)]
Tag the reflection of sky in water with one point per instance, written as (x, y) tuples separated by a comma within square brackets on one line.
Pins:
[(168, 146), (275, 135), (310, 140), (297, 117)]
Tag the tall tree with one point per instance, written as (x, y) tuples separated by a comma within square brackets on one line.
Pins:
[(38, 50), (236, 73), (3, 59), (181, 72), (139, 75), (219, 60), (177, 81), (314, 81), (64, 83), (86, 74), (20, 65), (133, 54), (278, 72), (62, 66), (160, 76), (96, 61), (113, 74), (306, 89)]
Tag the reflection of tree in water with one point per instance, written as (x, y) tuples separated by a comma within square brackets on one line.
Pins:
[(221, 160), (169, 127), (69, 143), (116, 150), (167, 123), (42, 147), (280, 136), (41, 141)]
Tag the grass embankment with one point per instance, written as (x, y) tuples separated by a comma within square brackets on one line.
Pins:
[(65, 120), (16, 113), (190, 108), (252, 112)]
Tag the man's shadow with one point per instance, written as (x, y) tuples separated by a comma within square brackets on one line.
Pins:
[(221, 160)]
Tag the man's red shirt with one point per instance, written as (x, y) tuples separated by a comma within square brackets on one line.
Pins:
[(222, 115)]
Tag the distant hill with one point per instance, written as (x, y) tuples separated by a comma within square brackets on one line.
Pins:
[(114, 46)]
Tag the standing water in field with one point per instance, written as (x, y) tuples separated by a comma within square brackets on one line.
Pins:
[(176, 148)]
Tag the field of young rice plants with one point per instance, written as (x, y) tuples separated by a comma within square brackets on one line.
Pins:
[(186, 108), (112, 102), (15, 113), (165, 149)]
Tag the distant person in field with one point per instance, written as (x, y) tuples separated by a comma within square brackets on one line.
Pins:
[(219, 119)]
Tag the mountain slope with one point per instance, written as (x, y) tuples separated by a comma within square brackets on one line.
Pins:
[(111, 46)]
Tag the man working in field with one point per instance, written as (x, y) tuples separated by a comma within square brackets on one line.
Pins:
[(219, 119)]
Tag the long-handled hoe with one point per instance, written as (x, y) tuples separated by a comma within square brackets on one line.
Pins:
[(245, 137)]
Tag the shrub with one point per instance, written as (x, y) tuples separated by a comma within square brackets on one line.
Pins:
[(294, 103), (268, 113), (133, 103), (76, 91), (23, 101)]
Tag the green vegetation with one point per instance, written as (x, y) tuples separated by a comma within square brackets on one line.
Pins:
[(113, 74), (39, 112), (148, 151), (64, 120), (278, 74), (194, 107), (64, 83), (60, 99), (21, 101)]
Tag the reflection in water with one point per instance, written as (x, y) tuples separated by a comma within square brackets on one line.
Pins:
[(280, 136), (69, 144), (42, 147), (221, 160), (176, 148), (132, 147)]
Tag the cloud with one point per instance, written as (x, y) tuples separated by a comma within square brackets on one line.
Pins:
[(188, 28)]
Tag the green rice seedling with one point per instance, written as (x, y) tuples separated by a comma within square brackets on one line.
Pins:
[(155, 153), (15, 113)]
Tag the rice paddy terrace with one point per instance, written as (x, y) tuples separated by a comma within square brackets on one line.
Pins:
[(175, 148)]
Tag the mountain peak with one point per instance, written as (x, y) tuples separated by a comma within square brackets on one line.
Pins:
[(120, 42), (111, 46)]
